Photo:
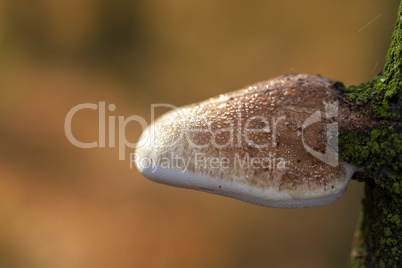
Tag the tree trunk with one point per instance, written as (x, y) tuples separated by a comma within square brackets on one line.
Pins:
[(378, 150)]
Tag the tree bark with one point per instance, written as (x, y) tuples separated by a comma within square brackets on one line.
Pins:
[(378, 150)]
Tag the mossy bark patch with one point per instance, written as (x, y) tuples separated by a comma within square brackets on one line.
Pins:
[(378, 151), (385, 92)]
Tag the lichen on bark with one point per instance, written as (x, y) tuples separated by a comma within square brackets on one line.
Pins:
[(378, 151)]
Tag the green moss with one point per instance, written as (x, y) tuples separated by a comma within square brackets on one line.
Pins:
[(385, 92), (379, 152), (382, 235)]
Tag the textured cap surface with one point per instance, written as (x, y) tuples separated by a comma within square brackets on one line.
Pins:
[(273, 143)]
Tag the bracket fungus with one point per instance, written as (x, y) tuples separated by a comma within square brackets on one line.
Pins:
[(273, 143)]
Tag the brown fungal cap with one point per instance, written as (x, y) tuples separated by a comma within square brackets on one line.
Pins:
[(272, 143)]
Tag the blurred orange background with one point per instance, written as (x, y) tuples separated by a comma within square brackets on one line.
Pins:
[(62, 206)]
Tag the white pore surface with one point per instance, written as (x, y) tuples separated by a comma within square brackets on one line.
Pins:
[(254, 195)]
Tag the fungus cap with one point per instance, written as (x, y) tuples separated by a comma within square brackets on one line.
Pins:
[(273, 144)]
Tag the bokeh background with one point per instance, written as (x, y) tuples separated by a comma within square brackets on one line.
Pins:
[(62, 206)]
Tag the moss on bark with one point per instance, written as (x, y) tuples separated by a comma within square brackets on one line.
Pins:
[(385, 91), (378, 151)]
